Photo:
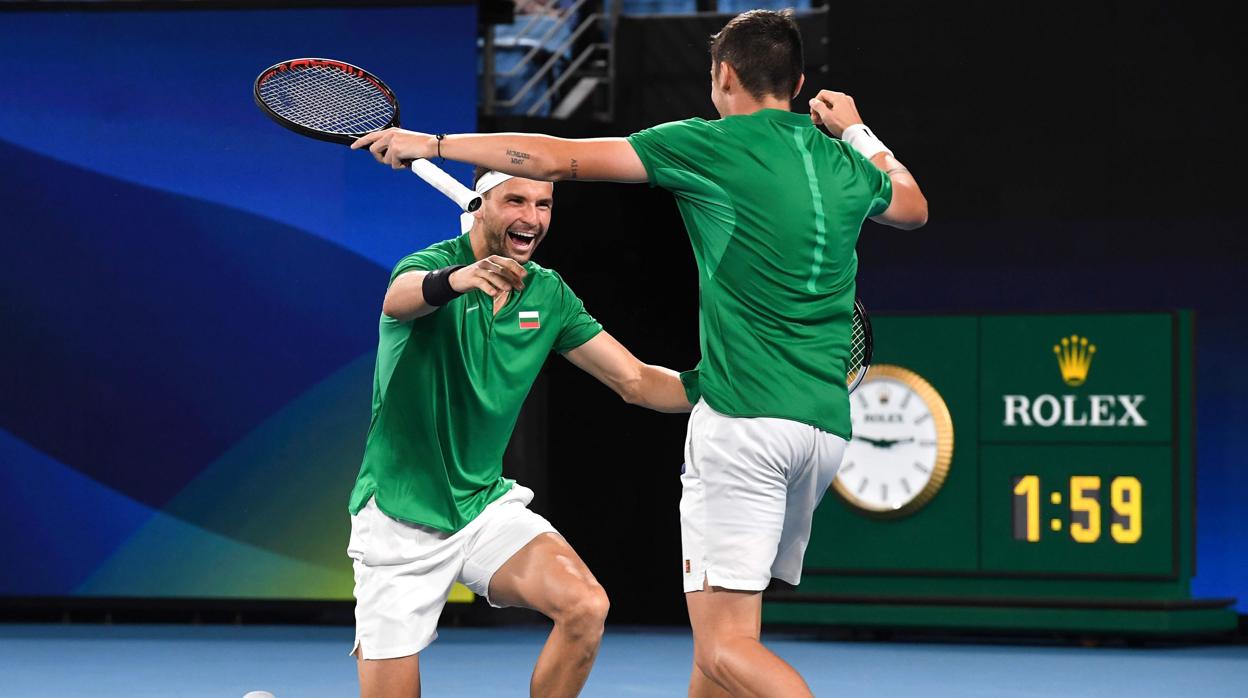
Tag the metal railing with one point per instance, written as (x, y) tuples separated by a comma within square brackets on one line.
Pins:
[(589, 75)]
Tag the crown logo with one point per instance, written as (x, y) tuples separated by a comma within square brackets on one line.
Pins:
[(1074, 358), (884, 396)]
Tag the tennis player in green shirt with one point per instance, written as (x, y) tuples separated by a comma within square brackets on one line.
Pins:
[(773, 209), (466, 325)]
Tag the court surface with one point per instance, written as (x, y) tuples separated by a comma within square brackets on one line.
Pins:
[(297, 661)]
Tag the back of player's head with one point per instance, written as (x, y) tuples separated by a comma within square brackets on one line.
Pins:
[(765, 48)]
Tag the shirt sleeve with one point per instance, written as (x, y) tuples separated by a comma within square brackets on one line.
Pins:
[(692, 384), (427, 259), (576, 325), (879, 186), (684, 146)]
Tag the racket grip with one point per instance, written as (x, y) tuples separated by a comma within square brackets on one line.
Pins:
[(467, 199)]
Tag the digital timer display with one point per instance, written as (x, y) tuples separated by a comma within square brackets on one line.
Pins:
[(1081, 516), (1104, 510)]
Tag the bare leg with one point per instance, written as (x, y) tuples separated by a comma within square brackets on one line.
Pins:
[(389, 678), (701, 686), (726, 626), (549, 577)]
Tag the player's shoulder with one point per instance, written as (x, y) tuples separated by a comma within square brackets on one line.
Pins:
[(685, 128), (450, 246), (852, 162), (439, 254), (698, 125), (546, 279), (540, 273), (837, 145)]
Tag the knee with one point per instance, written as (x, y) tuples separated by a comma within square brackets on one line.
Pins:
[(706, 658), (713, 658), (584, 609)]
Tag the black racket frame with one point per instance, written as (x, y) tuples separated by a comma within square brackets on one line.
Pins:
[(868, 348), (300, 63)]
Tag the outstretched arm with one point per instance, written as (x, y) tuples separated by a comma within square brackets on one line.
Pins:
[(654, 387), (837, 112), (533, 156)]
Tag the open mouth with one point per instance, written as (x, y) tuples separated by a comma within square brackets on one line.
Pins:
[(521, 241)]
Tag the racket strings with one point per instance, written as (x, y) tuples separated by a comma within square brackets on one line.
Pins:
[(336, 101), (329, 100), (857, 348)]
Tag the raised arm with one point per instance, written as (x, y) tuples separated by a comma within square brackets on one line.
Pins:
[(908, 209), (837, 112), (533, 156), (641, 384)]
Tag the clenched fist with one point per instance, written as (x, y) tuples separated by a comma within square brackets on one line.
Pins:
[(494, 275), (834, 111)]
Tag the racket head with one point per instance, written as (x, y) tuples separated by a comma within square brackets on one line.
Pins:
[(326, 99), (861, 346)]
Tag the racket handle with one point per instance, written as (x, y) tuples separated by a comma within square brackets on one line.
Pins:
[(467, 199)]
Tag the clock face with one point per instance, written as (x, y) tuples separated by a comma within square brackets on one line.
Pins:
[(902, 444)]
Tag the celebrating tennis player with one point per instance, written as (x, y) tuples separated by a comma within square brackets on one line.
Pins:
[(773, 208), (466, 325)]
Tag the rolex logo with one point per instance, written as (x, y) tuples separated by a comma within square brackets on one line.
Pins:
[(883, 396), (1074, 358)]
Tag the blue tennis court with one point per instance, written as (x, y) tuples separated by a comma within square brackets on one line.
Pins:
[(193, 661)]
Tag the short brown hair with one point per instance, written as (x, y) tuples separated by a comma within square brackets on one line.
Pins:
[(477, 173), (765, 48)]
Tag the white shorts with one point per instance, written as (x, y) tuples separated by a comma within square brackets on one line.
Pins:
[(404, 571), (749, 491)]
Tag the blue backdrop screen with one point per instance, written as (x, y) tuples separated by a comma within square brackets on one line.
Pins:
[(189, 294)]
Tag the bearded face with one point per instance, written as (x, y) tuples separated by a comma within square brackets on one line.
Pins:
[(514, 217)]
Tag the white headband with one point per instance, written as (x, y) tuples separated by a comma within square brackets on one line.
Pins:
[(488, 181)]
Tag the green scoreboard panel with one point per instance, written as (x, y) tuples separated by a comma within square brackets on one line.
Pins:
[(1029, 472)]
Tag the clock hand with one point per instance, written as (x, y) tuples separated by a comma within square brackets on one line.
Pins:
[(878, 443), (889, 443)]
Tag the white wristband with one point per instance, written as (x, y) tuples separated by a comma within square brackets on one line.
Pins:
[(865, 142)]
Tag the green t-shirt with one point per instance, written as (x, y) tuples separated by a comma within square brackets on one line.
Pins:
[(773, 208), (448, 388)]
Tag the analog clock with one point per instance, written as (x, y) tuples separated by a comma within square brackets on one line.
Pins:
[(902, 444)]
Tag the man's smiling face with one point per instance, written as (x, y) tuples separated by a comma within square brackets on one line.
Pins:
[(515, 216)]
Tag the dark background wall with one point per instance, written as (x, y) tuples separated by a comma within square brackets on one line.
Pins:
[(1076, 156)]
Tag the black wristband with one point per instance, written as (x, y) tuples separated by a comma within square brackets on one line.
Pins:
[(440, 136), (437, 286)]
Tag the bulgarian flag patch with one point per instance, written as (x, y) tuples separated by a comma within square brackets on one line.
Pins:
[(529, 320)]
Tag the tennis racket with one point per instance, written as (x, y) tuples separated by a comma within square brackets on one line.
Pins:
[(337, 102), (861, 346)]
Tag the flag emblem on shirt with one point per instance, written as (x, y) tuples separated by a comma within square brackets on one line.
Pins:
[(529, 320)]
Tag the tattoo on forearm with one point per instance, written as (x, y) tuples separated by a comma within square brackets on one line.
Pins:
[(573, 168), (896, 169), (517, 157)]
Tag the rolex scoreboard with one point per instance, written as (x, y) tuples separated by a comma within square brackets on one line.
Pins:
[(1022, 472)]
